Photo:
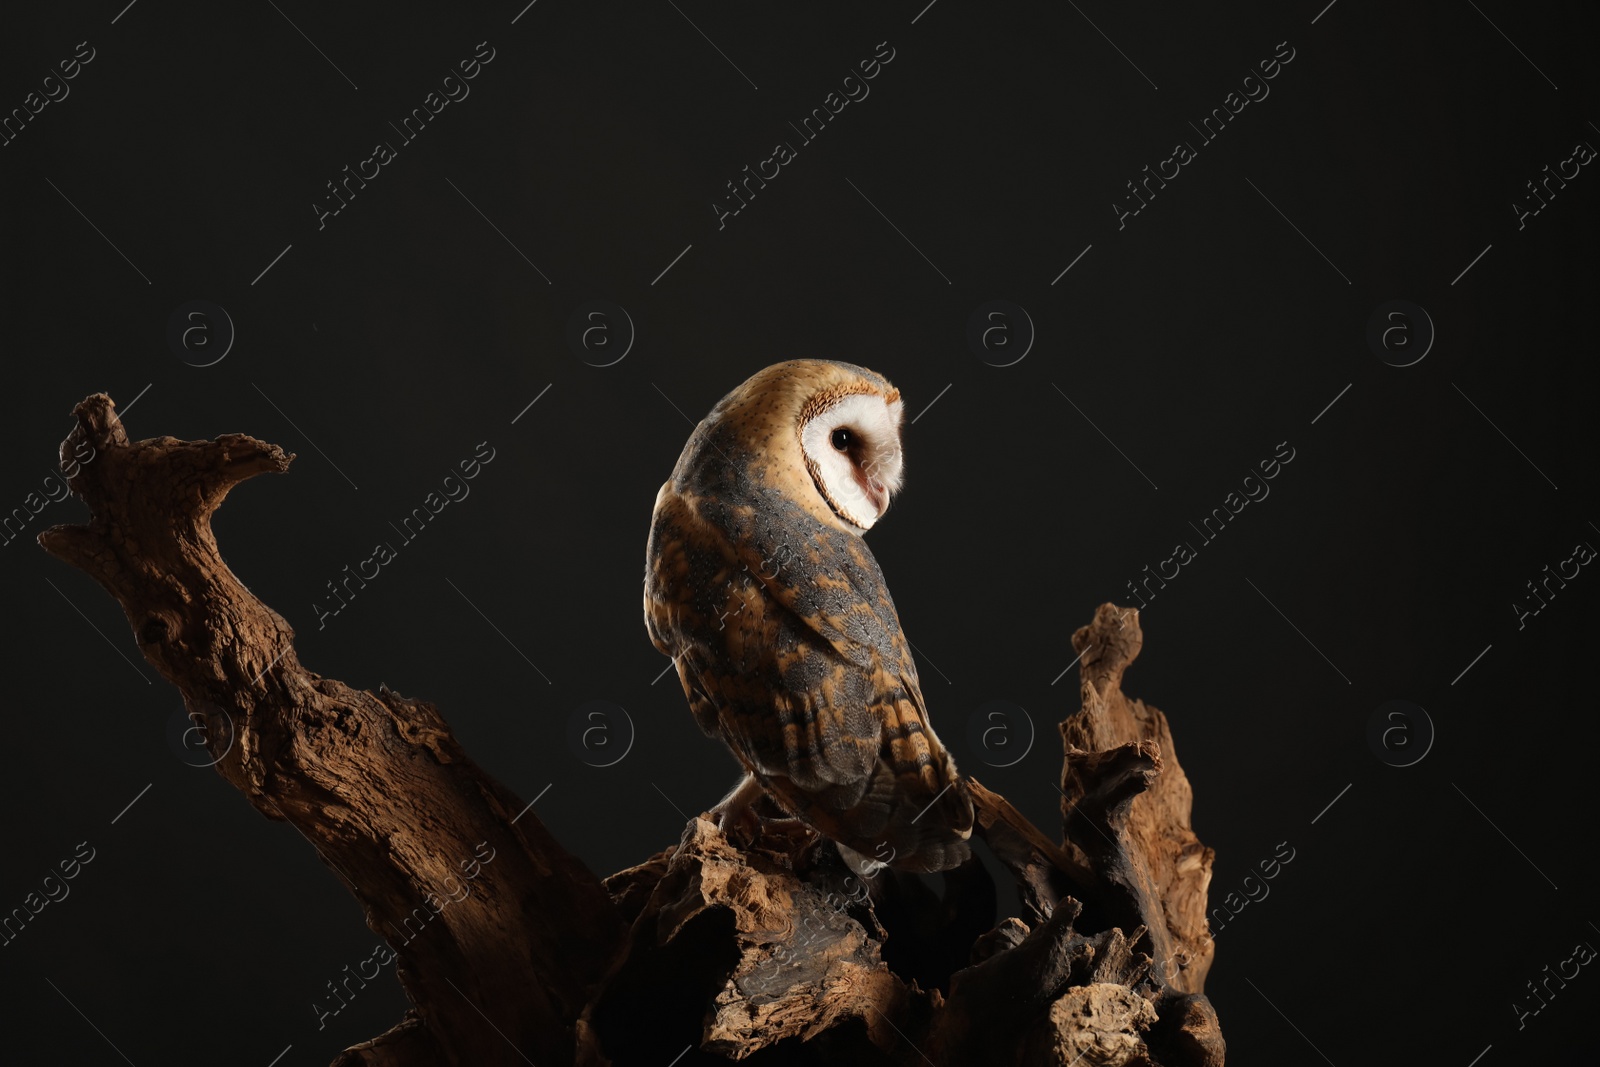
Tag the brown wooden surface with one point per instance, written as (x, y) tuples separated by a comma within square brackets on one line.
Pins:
[(769, 950)]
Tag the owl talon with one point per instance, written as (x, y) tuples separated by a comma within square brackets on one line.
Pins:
[(735, 814), (741, 828), (795, 838)]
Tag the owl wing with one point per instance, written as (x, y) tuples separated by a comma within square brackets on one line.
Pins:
[(794, 656), (754, 677)]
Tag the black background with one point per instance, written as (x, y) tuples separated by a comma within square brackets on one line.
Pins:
[(1196, 339)]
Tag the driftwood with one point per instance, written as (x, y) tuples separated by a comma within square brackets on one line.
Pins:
[(769, 950)]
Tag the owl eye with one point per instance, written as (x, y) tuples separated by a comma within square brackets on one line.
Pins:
[(842, 439)]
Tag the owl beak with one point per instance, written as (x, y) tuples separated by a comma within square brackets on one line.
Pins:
[(876, 491)]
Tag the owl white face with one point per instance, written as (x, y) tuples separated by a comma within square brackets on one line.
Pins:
[(852, 449)]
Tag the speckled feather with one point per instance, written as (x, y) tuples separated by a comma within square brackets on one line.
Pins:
[(786, 639)]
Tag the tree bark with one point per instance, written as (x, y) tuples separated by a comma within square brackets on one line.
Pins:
[(769, 950)]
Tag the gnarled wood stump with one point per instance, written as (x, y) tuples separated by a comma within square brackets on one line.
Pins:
[(767, 950)]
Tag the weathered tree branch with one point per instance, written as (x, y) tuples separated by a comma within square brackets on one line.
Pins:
[(375, 781), (767, 950), (1126, 805)]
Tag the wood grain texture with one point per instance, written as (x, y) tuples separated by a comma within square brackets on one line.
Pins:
[(375, 781), (764, 950), (1121, 780)]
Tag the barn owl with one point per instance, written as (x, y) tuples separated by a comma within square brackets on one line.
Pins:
[(759, 585)]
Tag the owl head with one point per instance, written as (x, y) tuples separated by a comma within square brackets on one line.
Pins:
[(823, 434), (850, 439)]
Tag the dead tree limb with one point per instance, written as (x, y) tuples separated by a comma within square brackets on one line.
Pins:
[(768, 950), (1126, 803), (375, 781)]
